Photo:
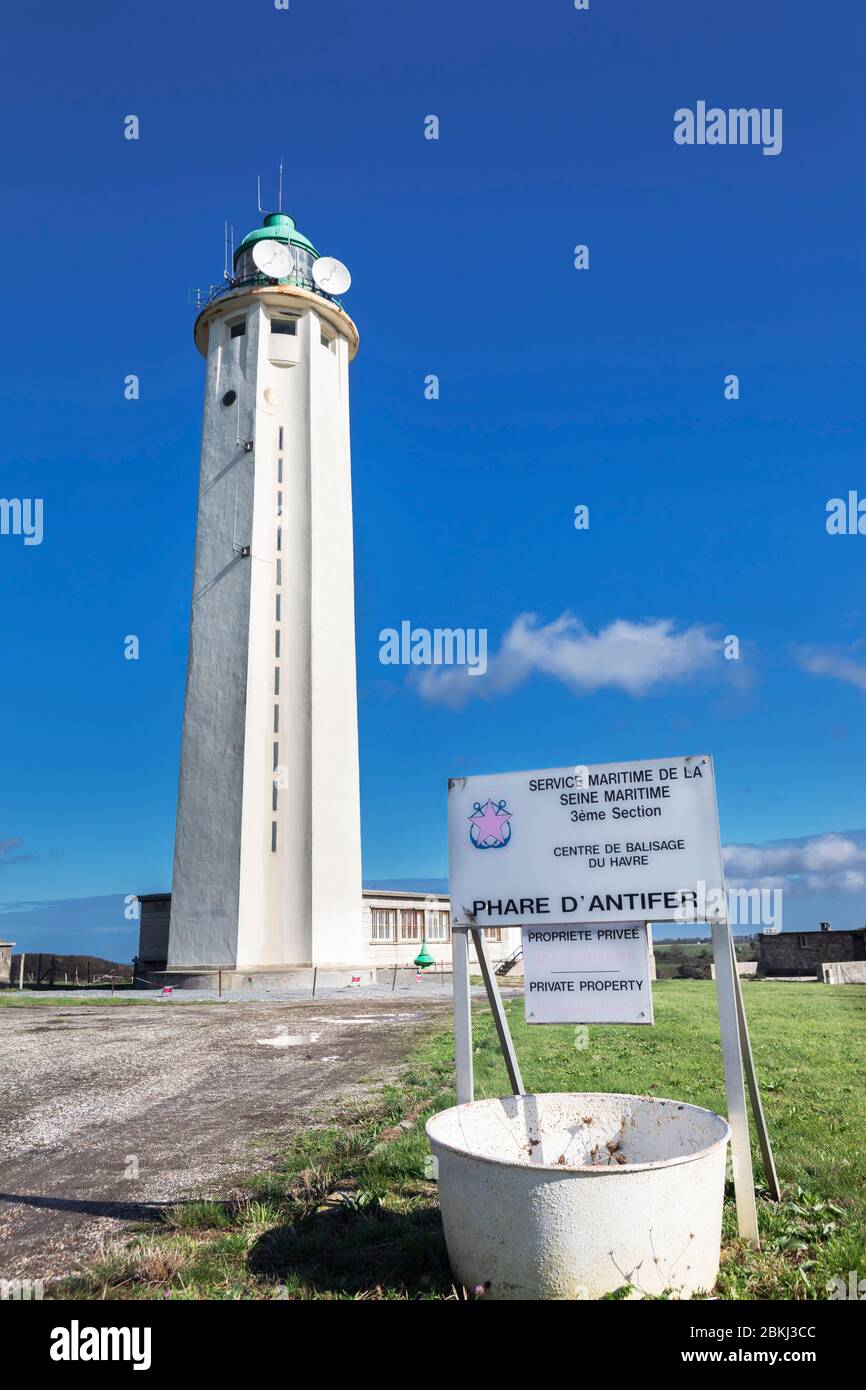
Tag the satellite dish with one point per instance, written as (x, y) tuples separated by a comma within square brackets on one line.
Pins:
[(273, 258), (331, 275)]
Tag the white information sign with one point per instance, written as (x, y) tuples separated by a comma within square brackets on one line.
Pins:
[(609, 842), (577, 973)]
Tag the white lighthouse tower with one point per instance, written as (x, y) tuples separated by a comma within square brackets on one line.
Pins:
[(267, 863)]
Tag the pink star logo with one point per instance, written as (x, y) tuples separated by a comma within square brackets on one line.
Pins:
[(490, 823)]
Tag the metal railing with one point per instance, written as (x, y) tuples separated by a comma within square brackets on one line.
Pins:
[(201, 301), (506, 966)]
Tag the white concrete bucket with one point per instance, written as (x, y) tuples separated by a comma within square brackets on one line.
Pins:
[(567, 1196)]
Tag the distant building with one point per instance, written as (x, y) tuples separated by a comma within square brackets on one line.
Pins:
[(396, 922), (803, 953), (5, 961)]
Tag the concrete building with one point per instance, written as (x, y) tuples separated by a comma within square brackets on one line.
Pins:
[(267, 862), (391, 929), (396, 923), (804, 953)]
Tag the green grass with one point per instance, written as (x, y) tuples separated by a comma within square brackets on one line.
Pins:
[(687, 948), (692, 959), (349, 1212)]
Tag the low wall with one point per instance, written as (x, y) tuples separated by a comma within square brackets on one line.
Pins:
[(744, 967), (227, 979), (842, 972)]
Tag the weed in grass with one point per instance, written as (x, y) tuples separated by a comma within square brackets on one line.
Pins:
[(199, 1216)]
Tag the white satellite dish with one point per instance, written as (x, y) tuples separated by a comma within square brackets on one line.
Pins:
[(331, 275), (273, 258)]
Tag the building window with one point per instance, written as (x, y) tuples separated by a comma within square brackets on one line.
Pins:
[(289, 326), (411, 923), (326, 340), (803, 944), (280, 441), (238, 330), (492, 933), (383, 923), (273, 837), (438, 926)]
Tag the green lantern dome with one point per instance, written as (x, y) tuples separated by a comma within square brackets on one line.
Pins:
[(277, 226)]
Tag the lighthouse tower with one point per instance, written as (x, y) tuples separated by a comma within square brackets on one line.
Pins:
[(267, 863)]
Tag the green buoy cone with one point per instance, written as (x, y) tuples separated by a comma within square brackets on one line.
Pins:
[(423, 958)]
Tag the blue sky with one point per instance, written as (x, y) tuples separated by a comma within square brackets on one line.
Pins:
[(557, 387)]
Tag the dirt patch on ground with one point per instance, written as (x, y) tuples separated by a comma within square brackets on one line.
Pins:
[(110, 1113)]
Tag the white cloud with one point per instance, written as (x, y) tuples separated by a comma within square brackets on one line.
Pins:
[(819, 864), (836, 662), (633, 657)]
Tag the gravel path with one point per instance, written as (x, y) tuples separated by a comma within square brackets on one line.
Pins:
[(110, 1112)]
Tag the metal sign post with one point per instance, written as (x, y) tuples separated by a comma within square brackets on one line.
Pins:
[(732, 1058), (462, 1013), (498, 1011), (754, 1090)]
